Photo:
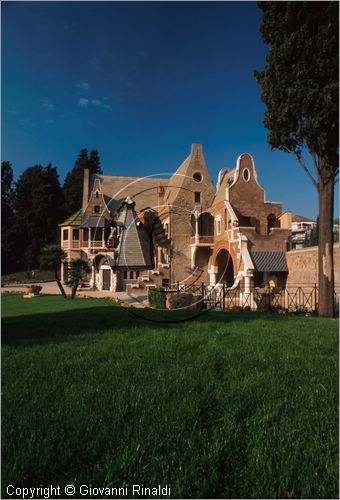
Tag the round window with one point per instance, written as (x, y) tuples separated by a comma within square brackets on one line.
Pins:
[(197, 176), (246, 175)]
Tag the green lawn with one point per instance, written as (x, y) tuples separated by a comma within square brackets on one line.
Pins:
[(226, 405)]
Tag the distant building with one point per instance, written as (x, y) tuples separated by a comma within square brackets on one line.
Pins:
[(301, 229)]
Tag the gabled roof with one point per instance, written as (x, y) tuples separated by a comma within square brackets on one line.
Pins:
[(301, 218), (227, 176), (134, 248), (73, 220), (183, 177), (116, 188), (271, 261), (176, 181)]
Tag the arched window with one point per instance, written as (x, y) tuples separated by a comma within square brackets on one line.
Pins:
[(272, 222), (96, 209), (206, 224)]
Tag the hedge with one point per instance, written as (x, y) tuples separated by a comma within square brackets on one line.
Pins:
[(156, 297)]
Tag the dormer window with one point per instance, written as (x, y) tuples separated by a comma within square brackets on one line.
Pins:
[(96, 209)]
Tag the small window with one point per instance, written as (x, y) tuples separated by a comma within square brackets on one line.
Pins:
[(86, 234), (75, 234), (137, 274), (197, 176), (219, 226), (197, 197), (96, 209), (131, 275), (65, 234), (246, 175), (167, 229), (96, 234), (125, 275), (97, 194)]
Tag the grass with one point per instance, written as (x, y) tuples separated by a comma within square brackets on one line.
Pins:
[(226, 405)]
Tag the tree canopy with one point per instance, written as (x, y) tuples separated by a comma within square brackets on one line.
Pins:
[(37, 212), (7, 198), (300, 82), (300, 88), (51, 257), (73, 185)]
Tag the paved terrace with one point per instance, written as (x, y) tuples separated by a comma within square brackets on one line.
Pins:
[(138, 300)]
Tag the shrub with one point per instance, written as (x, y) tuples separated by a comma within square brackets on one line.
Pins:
[(156, 297)]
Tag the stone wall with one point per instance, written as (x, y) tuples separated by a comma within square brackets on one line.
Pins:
[(303, 266)]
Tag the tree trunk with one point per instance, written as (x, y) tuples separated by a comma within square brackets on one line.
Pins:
[(74, 290), (61, 288), (326, 263)]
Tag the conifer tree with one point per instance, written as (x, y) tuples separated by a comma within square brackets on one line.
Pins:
[(7, 198), (73, 185), (37, 212), (300, 88)]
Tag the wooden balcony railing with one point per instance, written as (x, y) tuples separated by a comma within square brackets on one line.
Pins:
[(202, 239)]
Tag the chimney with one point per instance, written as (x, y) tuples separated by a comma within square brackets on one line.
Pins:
[(86, 183), (161, 192)]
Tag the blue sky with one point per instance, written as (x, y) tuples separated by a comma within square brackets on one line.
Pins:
[(140, 82)]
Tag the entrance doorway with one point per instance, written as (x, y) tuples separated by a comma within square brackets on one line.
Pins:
[(106, 279), (225, 268)]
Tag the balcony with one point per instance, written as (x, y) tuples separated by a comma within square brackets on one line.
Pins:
[(201, 240)]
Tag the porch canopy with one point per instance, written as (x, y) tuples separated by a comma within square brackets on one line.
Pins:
[(94, 221), (269, 261)]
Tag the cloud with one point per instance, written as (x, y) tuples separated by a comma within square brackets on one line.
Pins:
[(83, 103), (46, 104), (83, 85)]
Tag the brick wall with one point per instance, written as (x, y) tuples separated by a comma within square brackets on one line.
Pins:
[(303, 266)]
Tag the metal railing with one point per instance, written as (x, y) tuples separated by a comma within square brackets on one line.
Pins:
[(292, 298)]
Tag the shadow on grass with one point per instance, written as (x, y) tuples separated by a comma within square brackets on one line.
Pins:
[(52, 326)]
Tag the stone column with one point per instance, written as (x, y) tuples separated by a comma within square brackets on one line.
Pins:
[(196, 215), (93, 276), (212, 275), (113, 282)]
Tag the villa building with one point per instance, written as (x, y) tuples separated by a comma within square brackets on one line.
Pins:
[(153, 231), (301, 229)]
